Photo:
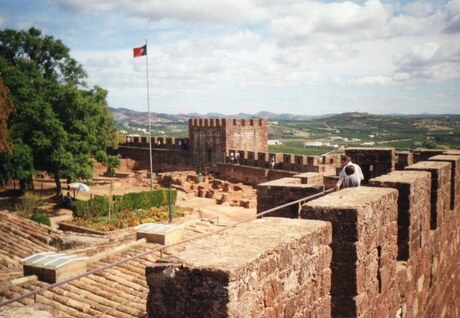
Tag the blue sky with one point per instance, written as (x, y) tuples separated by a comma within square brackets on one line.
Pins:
[(231, 56)]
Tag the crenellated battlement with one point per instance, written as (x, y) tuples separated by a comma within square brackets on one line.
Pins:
[(227, 122), (157, 142), (394, 241)]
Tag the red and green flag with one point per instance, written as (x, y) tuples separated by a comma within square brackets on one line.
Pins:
[(140, 51)]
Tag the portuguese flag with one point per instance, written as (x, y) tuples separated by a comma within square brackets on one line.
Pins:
[(140, 51)]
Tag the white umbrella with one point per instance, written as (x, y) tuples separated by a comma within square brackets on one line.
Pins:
[(79, 186)]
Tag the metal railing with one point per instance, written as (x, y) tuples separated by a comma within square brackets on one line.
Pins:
[(160, 249)]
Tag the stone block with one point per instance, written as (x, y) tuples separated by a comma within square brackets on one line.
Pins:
[(221, 276), (163, 234), (404, 159), (423, 154), (454, 177), (310, 178), (363, 245), (278, 192), (440, 188), (414, 191), (54, 267)]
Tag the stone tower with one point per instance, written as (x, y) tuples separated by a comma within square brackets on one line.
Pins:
[(212, 139)]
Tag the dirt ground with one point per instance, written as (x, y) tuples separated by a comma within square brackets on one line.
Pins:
[(132, 181)]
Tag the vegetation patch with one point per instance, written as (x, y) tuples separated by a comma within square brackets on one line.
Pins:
[(105, 213)]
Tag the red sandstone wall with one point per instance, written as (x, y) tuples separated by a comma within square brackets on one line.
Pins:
[(363, 249), (211, 139), (162, 159), (251, 276), (278, 192), (248, 134), (388, 260), (207, 140), (374, 162)]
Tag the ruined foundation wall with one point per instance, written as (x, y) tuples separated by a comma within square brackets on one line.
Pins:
[(260, 277), (249, 175)]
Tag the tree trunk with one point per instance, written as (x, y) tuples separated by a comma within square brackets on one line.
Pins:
[(57, 179)]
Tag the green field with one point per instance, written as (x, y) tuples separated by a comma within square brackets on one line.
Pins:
[(400, 132)]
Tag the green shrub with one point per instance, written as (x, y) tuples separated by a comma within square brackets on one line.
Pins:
[(143, 200), (29, 203), (78, 208), (112, 163), (39, 217), (99, 206)]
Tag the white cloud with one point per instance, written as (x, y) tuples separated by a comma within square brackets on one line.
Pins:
[(214, 11), (82, 6), (452, 17), (205, 47), (431, 60), (304, 22)]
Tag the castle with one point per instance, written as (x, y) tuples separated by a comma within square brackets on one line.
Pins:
[(390, 248)]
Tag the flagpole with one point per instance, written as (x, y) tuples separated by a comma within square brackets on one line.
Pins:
[(150, 124)]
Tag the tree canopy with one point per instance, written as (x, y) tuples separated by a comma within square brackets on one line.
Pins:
[(6, 107), (58, 122)]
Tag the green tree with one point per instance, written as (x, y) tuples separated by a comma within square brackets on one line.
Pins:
[(58, 119), (6, 107)]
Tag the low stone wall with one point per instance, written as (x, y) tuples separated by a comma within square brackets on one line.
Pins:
[(278, 192), (244, 272)]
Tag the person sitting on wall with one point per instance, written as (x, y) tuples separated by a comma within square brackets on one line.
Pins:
[(346, 161), (232, 157), (352, 179)]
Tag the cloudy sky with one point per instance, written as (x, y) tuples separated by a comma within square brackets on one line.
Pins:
[(230, 56)]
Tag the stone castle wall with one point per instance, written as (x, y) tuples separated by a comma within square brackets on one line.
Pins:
[(395, 250), (162, 159)]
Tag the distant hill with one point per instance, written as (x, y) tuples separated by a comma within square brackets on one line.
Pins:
[(122, 115)]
